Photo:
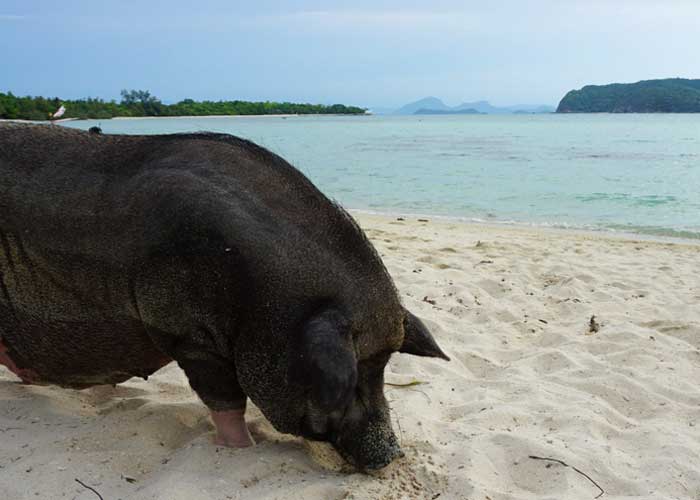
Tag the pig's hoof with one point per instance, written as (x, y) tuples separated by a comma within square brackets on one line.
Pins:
[(231, 429), (234, 441)]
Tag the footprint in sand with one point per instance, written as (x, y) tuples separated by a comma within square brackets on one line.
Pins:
[(687, 332), (481, 367), (550, 362), (120, 405), (436, 263), (494, 288)]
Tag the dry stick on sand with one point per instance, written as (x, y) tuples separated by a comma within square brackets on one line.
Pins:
[(409, 384), (89, 488), (602, 491)]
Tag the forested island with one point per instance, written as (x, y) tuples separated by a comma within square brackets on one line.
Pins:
[(135, 103), (672, 95)]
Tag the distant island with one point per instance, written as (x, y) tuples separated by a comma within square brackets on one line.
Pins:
[(671, 95), (469, 111), (138, 103), (435, 106)]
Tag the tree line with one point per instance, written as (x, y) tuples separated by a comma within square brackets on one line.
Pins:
[(136, 103)]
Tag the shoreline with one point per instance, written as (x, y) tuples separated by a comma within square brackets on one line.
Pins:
[(525, 227), (197, 116), (287, 115), (281, 115), (39, 122)]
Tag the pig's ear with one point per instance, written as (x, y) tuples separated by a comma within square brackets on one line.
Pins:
[(418, 340), (325, 361)]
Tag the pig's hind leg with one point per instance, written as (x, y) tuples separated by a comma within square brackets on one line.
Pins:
[(26, 375), (7, 361)]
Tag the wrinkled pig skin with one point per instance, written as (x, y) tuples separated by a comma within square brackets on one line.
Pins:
[(119, 254)]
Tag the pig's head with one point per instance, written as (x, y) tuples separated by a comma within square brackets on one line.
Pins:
[(333, 386)]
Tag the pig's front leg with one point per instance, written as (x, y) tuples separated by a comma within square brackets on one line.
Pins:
[(217, 386), (181, 304)]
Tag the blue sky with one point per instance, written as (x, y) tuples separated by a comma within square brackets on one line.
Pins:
[(370, 53)]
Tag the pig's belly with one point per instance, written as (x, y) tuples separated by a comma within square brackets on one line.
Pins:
[(69, 320), (76, 354)]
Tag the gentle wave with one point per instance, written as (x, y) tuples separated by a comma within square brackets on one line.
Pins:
[(666, 232), (643, 200)]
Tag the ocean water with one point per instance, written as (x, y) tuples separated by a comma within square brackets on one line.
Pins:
[(630, 173)]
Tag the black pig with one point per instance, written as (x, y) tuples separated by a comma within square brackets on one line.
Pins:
[(119, 254)]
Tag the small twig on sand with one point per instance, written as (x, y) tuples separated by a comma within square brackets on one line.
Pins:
[(602, 491), (409, 384), (89, 488)]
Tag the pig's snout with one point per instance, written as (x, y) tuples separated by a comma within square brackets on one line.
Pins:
[(371, 446), (384, 458)]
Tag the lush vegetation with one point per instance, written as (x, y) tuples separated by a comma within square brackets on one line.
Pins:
[(673, 95), (142, 103)]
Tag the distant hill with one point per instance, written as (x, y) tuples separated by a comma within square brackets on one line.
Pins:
[(483, 107), (436, 106), (426, 103), (468, 111), (672, 95), (488, 108)]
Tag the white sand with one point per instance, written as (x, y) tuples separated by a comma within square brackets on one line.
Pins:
[(526, 378)]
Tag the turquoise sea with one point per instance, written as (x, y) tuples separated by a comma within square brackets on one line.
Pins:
[(629, 173)]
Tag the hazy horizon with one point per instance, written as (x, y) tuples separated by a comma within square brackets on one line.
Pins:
[(379, 54)]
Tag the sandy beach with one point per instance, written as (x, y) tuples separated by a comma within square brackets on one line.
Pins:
[(617, 399)]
